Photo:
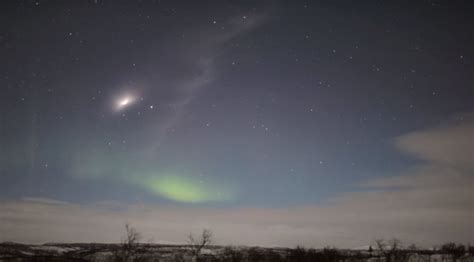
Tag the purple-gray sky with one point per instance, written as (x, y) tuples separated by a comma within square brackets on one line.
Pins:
[(269, 122)]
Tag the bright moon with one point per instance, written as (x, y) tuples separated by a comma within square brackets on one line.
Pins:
[(123, 102)]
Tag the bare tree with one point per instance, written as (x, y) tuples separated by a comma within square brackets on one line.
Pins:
[(197, 244), (380, 243), (132, 237), (392, 250), (128, 245), (381, 247)]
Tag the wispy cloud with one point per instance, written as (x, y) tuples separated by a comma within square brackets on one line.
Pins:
[(446, 145), (203, 47)]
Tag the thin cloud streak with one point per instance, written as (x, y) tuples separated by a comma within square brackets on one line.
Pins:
[(202, 51)]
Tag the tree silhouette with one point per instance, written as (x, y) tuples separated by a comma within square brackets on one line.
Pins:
[(455, 251), (128, 246), (198, 243)]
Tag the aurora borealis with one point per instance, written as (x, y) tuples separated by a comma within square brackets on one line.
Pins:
[(184, 189), (269, 122)]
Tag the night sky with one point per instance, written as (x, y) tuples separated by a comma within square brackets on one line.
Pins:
[(269, 122)]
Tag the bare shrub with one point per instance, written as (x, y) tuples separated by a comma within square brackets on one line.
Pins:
[(301, 254), (272, 256), (330, 254), (455, 251), (254, 254), (470, 250), (232, 255)]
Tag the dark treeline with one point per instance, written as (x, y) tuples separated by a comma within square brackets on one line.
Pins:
[(450, 252), (200, 249)]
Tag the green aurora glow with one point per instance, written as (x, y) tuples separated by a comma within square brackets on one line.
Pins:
[(186, 189)]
